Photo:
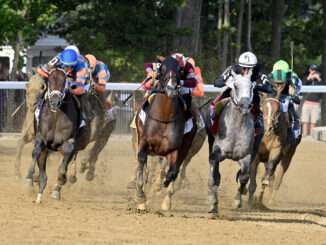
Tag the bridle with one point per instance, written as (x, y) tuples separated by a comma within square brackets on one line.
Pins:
[(275, 121), (58, 93)]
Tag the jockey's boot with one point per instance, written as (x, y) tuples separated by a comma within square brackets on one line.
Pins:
[(187, 98), (294, 117), (83, 110)]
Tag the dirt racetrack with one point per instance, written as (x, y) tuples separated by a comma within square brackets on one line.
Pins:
[(103, 212)]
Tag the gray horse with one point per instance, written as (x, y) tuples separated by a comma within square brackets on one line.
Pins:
[(234, 138)]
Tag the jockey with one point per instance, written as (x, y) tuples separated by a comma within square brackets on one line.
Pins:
[(74, 65), (246, 62), (188, 79), (100, 73), (198, 91), (292, 86)]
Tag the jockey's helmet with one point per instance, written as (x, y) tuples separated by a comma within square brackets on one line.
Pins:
[(92, 61), (281, 65), (278, 77), (68, 57), (73, 47), (180, 57), (247, 59)]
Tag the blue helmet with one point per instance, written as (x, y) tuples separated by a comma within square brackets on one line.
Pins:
[(68, 57), (313, 67)]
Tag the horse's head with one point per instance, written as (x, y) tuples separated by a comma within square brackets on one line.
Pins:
[(242, 92), (34, 89), (272, 111), (169, 76), (56, 87)]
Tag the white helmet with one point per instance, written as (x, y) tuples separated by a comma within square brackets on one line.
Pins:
[(247, 59), (73, 47)]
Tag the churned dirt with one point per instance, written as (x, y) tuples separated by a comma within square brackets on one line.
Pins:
[(103, 211)]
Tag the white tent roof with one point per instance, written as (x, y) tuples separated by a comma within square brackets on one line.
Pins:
[(51, 41)]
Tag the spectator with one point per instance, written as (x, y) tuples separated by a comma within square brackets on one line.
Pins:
[(4, 76), (310, 108)]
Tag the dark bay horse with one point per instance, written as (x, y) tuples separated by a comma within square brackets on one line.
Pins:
[(272, 151), (162, 131), (58, 125)]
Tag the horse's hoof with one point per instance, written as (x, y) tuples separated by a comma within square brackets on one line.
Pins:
[(141, 206), (28, 182), (157, 187), (90, 176), (39, 199), (17, 178), (266, 182), (237, 204), (82, 169), (55, 195), (72, 179), (214, 210), (131, 185), (166, 204), (166, 183)]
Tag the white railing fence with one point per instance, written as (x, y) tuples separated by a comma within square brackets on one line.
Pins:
[(125, 113)]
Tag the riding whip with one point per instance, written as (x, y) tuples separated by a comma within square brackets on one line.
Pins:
[(18, 108), (291, 59), (205, 104), (130, 95)]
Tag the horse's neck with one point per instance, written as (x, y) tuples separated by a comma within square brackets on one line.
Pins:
[(165, 107)]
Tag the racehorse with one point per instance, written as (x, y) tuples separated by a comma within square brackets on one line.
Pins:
[(162, 132), (34, 89), (234, 138), (57, 130), (271, 150)]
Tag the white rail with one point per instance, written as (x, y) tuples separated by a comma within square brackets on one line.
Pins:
[(134, 86)]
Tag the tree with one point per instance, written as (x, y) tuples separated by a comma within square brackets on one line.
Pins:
[(188, 17), (249, 27), (277, 29), (226, 26), (239, 28)]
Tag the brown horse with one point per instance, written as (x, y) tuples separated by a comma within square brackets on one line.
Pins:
[(34, 89), (271, 149), (57, 130), (162, 131)]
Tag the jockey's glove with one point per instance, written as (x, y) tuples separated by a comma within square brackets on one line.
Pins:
[(220, 82), (182, 82), (296, 100), (76, 91), (99, 88)]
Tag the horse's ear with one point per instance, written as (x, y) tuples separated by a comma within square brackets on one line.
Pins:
[(160, 58), (264, 95), (26, 86)]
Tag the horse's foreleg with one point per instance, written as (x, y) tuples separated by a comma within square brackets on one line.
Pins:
[(20, 145), (142, 160), (69, 150), (253, 183), (38, 149), (273, 159), (41, 162), (280, 171), (73, 167), (214, 177), (174, 166), (243, 176)]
